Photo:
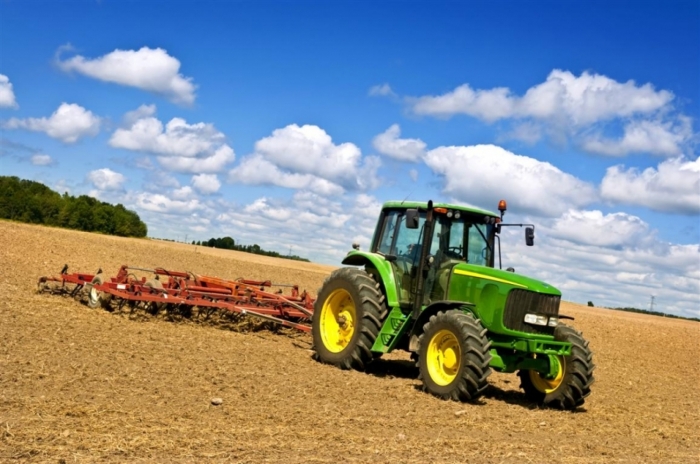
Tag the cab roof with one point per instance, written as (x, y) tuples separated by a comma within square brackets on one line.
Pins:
[(424, 205)]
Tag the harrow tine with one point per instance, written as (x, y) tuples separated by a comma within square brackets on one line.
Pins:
[(76, 290)]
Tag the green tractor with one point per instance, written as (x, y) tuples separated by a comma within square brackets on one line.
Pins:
[(428, 285)]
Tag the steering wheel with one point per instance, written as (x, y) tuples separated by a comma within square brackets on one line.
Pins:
[(454, 251)]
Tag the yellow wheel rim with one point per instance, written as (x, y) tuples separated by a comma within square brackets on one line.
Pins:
[(546, 385), (338, 320), (444, 357)]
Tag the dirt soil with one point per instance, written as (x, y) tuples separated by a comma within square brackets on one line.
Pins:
[(85, 385)]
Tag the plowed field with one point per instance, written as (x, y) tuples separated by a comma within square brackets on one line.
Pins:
[(84, 385)]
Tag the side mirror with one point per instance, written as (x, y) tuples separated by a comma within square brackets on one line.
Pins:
[(412, 217), (529, 236)]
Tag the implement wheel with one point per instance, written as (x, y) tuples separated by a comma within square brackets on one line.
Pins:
[(347, 318), (572, 384), (453, 356), (96, 298), (154, 307)]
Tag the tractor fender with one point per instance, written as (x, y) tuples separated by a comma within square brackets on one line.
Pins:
[(383, 267), (432, 309)]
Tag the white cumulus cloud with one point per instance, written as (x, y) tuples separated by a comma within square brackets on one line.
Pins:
[(604, 230), (566, 106), (206, 183), (106, 179), (150, 69), (489, 105), (483, 174), (182, 147), (214, 162), (41, 159), (7, 95), (305, 157), (309, 224), (69, 123), (582, 100), (655, 137), (390, 144), (673, 187), (159, 203), (183, 193), (256, 170)]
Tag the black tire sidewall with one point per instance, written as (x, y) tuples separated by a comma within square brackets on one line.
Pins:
[(563, 395), (337, 281), (453, 326), (563, 333)]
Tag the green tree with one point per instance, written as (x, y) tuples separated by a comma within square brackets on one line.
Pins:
[(33, 202)]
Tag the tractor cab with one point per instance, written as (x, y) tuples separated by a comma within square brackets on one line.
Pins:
[(456, 235)]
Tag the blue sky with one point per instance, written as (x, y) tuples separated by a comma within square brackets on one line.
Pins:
[(287, 124)]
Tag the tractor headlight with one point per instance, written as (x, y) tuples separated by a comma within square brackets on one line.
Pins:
[(553, 321), (536, 319)]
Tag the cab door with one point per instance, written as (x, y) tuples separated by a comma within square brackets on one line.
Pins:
[(402, 247)]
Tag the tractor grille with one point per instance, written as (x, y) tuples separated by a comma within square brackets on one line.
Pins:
[(521, 302)]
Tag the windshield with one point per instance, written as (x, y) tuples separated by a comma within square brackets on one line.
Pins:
[(463, 240)]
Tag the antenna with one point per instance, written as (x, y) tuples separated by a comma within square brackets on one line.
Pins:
[(410, 193), (651, 303)]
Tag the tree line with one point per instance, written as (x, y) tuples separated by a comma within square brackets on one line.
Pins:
[(656, 313), (33, 202), (227, 243)]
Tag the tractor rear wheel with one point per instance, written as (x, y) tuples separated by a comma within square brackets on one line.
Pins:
[(347, 318), (572, 384), (95, 297), (453, 356)]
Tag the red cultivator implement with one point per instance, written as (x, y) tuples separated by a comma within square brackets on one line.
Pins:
[(187, 294)]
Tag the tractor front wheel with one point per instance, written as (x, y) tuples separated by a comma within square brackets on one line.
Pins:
[(453, 356), (347, 318), (572, 384)]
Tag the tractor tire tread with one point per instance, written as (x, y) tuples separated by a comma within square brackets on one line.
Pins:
[(578, 378), (371, 307), (475, 369)]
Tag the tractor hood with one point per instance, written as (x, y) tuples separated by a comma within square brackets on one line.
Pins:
[(505, 277)]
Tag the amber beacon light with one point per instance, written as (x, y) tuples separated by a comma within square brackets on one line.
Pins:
[(502, 207)]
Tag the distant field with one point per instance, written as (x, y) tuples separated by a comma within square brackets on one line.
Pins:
[(83, 385)]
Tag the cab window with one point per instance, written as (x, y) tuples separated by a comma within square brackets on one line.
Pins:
[(388, 233), (478, 250)]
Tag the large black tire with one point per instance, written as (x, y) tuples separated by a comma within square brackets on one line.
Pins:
[(347, 318), (570, 389), (96, 298), (453, 356)]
